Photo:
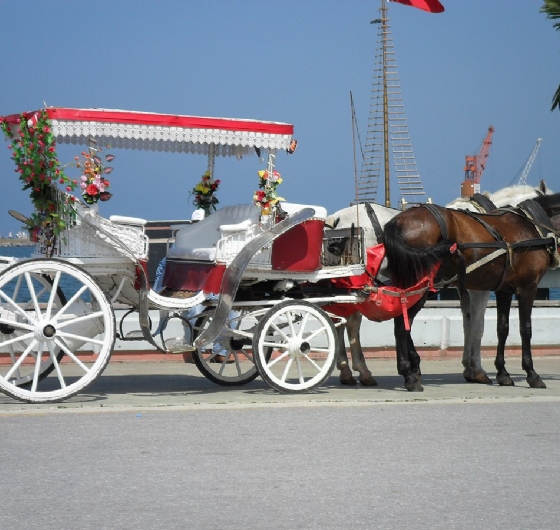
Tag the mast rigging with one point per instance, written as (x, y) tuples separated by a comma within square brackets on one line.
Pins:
[(387, 130)]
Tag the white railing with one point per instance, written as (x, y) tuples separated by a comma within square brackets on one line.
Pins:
[(90, 235), (231, 243)]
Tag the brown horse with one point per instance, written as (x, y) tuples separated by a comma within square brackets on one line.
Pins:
[(507, 252)]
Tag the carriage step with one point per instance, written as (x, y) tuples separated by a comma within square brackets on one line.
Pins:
[(134, 335), (177, 345)]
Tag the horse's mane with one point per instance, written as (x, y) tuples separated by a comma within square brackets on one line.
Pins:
[(513, 195), (461, 203)]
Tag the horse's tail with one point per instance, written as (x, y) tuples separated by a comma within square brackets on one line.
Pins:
[(407, 264)]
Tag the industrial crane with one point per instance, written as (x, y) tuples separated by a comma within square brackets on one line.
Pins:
[(523, 178), (474, 167)]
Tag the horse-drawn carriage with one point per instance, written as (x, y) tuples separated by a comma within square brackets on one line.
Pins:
[(283, 280)]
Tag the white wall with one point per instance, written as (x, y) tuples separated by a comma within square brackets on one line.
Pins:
[(434, 327)]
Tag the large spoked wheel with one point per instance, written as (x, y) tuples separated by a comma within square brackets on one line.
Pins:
[(37, 325), (46, 366), (229, 360), (304, 343)]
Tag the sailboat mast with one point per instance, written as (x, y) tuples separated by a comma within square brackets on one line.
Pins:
[(356, 180), (387, 132), (385, 30)]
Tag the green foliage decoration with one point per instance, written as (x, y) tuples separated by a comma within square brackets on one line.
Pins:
[(33, 150)]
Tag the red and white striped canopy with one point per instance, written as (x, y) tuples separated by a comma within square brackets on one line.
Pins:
[(165, 132)]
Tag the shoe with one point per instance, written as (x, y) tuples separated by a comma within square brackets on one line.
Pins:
[(219, 358)]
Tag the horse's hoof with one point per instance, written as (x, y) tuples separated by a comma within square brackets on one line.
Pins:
[(368, 380), (535, 381), (414, 387), (348, 381), (476, 375), (346, 377), (505, 380)]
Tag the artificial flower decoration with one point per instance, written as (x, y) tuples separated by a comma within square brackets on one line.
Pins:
[(203, 192), (93, 183), (34, 152), (266, 196)]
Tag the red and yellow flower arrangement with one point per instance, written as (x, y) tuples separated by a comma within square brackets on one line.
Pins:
[(203, 192), (266, 196)]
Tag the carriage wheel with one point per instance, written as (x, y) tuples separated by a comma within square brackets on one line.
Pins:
[(237, 366), (304, 343), (46, 366), (36, 326)]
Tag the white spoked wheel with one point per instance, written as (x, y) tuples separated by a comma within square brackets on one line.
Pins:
[(229, 360), (37, 325), (25, 378), (304, 344)]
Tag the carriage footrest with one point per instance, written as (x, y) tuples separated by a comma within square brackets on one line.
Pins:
[(177, 345), (134, 335)]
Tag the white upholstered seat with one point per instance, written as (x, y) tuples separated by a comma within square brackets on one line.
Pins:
[(290, 208), (199, 240), (234, 225)]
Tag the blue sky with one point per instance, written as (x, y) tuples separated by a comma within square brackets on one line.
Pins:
[(477, 64)]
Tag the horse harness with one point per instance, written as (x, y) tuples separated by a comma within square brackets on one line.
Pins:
[(374, 222), (530, 210), (482, 203)]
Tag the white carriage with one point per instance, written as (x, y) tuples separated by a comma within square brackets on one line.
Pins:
[(268, 268)]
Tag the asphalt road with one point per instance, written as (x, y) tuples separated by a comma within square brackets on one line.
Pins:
[(156, 446)]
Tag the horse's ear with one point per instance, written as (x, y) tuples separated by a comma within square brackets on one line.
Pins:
[(543, 187), (334, 223)]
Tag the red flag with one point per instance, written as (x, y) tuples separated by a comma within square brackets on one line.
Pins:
[(433, 6)]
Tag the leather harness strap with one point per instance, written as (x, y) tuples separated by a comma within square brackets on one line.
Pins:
[(482, 203), (434, 210), (529, 209), (499, 243), (490, 229), (534, 212), (374, 222)]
